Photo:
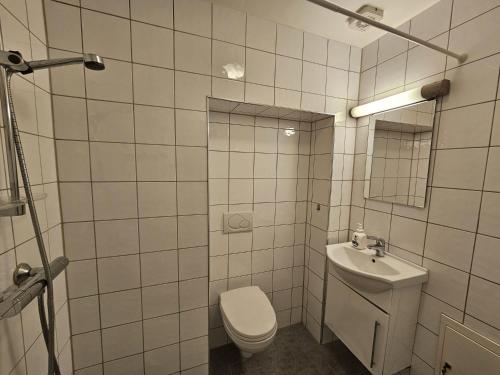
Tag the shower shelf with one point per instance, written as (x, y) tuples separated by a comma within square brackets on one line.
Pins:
[(7, 205)]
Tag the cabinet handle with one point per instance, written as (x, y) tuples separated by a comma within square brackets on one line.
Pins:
[(375, 329)]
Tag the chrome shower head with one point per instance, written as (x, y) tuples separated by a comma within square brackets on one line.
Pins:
[(93, 61), (14, 61)]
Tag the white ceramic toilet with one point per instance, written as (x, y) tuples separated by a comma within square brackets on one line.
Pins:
[(249, 319)]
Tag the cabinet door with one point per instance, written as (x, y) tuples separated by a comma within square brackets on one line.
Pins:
[(465, 356), (360, 325)]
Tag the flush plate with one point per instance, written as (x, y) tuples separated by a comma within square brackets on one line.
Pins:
[(238, 222)]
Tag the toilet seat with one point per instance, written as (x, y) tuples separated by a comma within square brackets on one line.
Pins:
[(235, 335), (248, 315)]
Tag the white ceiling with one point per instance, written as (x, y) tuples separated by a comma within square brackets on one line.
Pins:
[(306, 16)]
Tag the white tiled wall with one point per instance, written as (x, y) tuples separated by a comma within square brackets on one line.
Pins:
[(320, 217), (22, 348), (132, 155), (263, 165), (457, 235)]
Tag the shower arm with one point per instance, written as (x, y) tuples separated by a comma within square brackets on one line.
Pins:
[(12, 62), (338, 9)]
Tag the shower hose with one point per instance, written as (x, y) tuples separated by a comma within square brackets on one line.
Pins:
[(48, 326)]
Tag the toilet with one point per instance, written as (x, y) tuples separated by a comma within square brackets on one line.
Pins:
[(249, 319)]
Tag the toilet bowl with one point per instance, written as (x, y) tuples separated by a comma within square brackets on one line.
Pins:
[(249, 319)]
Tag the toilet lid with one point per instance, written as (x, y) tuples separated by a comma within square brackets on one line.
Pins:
[(248, 311)]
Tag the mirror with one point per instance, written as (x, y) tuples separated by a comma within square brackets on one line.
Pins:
[(399, 149)]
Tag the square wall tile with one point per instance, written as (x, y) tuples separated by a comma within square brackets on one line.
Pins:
[(157, 234), (82, 278), (228, 60), (85, 315), (145, 39), (115, 85), (87, 349), (70, 118), (156, 12), (194, 323), (469, 164), (73, 161), (76, 201), (482, 301), (288, 73), (193, 16), (492, 181), (193, 262), (260, 67), (79, 240), (229, 25), (191, 128), (261, 34), (122, 341), (154, 125), (314, 78), (289, 41), (114, 200), (153, 86), (444, 210), (193, 293), (106, 35), (191, 91), (128, 276), (192, 53), (162, 359), (259, 94), (192, 231), (112, 122), (194, 352), (63, 26), (315, 49), (116, 237), (159, 267), (449, 246), (446, 283), (155, 163), (192, 198), (156, 199), (488, 222), (486, 261), (120, 307), (191, 163), (160, 300), (112, 161), (338, 55)]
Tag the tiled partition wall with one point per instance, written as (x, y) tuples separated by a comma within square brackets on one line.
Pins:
[(261, 165), (320, 216), (22, 348), (457, 235), (132, 157)]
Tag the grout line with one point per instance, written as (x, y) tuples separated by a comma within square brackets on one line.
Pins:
[(481, 198)]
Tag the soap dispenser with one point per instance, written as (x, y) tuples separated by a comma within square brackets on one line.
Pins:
[(359, 239)]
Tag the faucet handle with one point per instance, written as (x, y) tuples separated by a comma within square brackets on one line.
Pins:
[(378, 240)]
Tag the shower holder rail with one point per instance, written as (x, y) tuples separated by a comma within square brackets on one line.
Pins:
[(11, 207)]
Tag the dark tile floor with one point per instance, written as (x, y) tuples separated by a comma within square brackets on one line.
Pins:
[(293, 352)]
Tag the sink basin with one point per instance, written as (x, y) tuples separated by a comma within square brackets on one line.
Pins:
[(367, 272)]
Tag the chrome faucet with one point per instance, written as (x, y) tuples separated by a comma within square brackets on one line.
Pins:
[(378, 246)]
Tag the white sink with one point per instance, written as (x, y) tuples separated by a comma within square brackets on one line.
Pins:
[(365, 271)]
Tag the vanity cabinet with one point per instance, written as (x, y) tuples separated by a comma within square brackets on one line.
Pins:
[(378, 328)]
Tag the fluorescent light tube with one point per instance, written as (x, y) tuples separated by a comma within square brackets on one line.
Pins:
[(416, 95)]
